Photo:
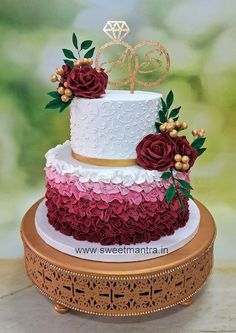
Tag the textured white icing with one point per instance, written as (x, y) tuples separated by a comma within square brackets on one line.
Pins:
[(60, 159), (112, 126)]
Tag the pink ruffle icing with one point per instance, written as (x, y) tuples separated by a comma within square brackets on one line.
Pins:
[(70, 185), (116, 222)]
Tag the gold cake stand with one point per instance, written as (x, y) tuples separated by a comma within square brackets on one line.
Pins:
[(119, 289)]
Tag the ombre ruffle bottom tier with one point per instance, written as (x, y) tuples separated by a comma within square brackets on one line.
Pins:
[(112, 213)]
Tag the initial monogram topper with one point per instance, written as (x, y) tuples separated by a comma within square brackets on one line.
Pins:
[(147, 63)]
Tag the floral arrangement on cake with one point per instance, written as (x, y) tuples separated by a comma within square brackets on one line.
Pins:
[(168, 152), (77, 77)]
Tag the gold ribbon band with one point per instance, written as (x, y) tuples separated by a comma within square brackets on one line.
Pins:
[(103, 161)]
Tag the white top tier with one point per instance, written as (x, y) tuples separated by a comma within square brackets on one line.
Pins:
[(111, 126)]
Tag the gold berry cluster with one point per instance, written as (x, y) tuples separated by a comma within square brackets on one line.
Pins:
[(181, 162), (198, 133), (82, 62), (173, 127), (64, 91)]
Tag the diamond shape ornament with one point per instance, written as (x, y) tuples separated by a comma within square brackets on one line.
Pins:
[(116, 30)]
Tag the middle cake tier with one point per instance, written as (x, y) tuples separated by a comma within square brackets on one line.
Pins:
[(119, 205)]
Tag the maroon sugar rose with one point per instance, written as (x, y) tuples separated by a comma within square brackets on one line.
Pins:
[(184, 148), (87, 82), (156, 152)]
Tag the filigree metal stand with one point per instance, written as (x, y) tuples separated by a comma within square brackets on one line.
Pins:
[(119, 289)]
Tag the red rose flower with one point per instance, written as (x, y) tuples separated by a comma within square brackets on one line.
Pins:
[(184, 148), (87, 82), (156, 152), (66, 71)]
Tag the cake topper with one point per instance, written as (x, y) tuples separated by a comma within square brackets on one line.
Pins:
[(138, 61)]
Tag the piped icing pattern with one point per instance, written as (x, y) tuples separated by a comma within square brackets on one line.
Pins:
[(112, 126)]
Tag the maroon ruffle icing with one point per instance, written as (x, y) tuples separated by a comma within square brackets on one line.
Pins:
[(114, 223)]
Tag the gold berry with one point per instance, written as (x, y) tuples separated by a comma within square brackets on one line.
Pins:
[(65, 84), (88, 61), (184, 125), (170, 127), (53, 78), (177, 123), (77, 62), (65, 98), (170, 120), (68, 92), (162, 128), (178, 165), (201, 133), (185, 159), (185, 166), (194, 132), (59, 71), (178, 158), (173, 133), (61, 90)]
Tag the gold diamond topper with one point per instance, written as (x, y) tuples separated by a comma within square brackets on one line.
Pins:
[(116, 29), (147, 63)]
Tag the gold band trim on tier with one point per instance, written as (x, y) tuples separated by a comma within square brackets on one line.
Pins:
[(103, 161)]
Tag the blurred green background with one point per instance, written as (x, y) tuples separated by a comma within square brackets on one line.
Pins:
[(200, 37)]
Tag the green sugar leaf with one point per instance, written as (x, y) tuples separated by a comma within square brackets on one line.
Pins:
[(68, 54), (162, 117), (86, 44), (200, 151), (157, 125), (170, 193), (169, 99), (54, 94), (75, 40), (166, 175), (64, 105), (181, 202), (198, 143), (90, 53), (184, 184), (54, 104), (174, 113), (69, 63), (185, 192), (164, 106)]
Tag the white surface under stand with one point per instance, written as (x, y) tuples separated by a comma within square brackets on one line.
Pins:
[(116, 253)]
